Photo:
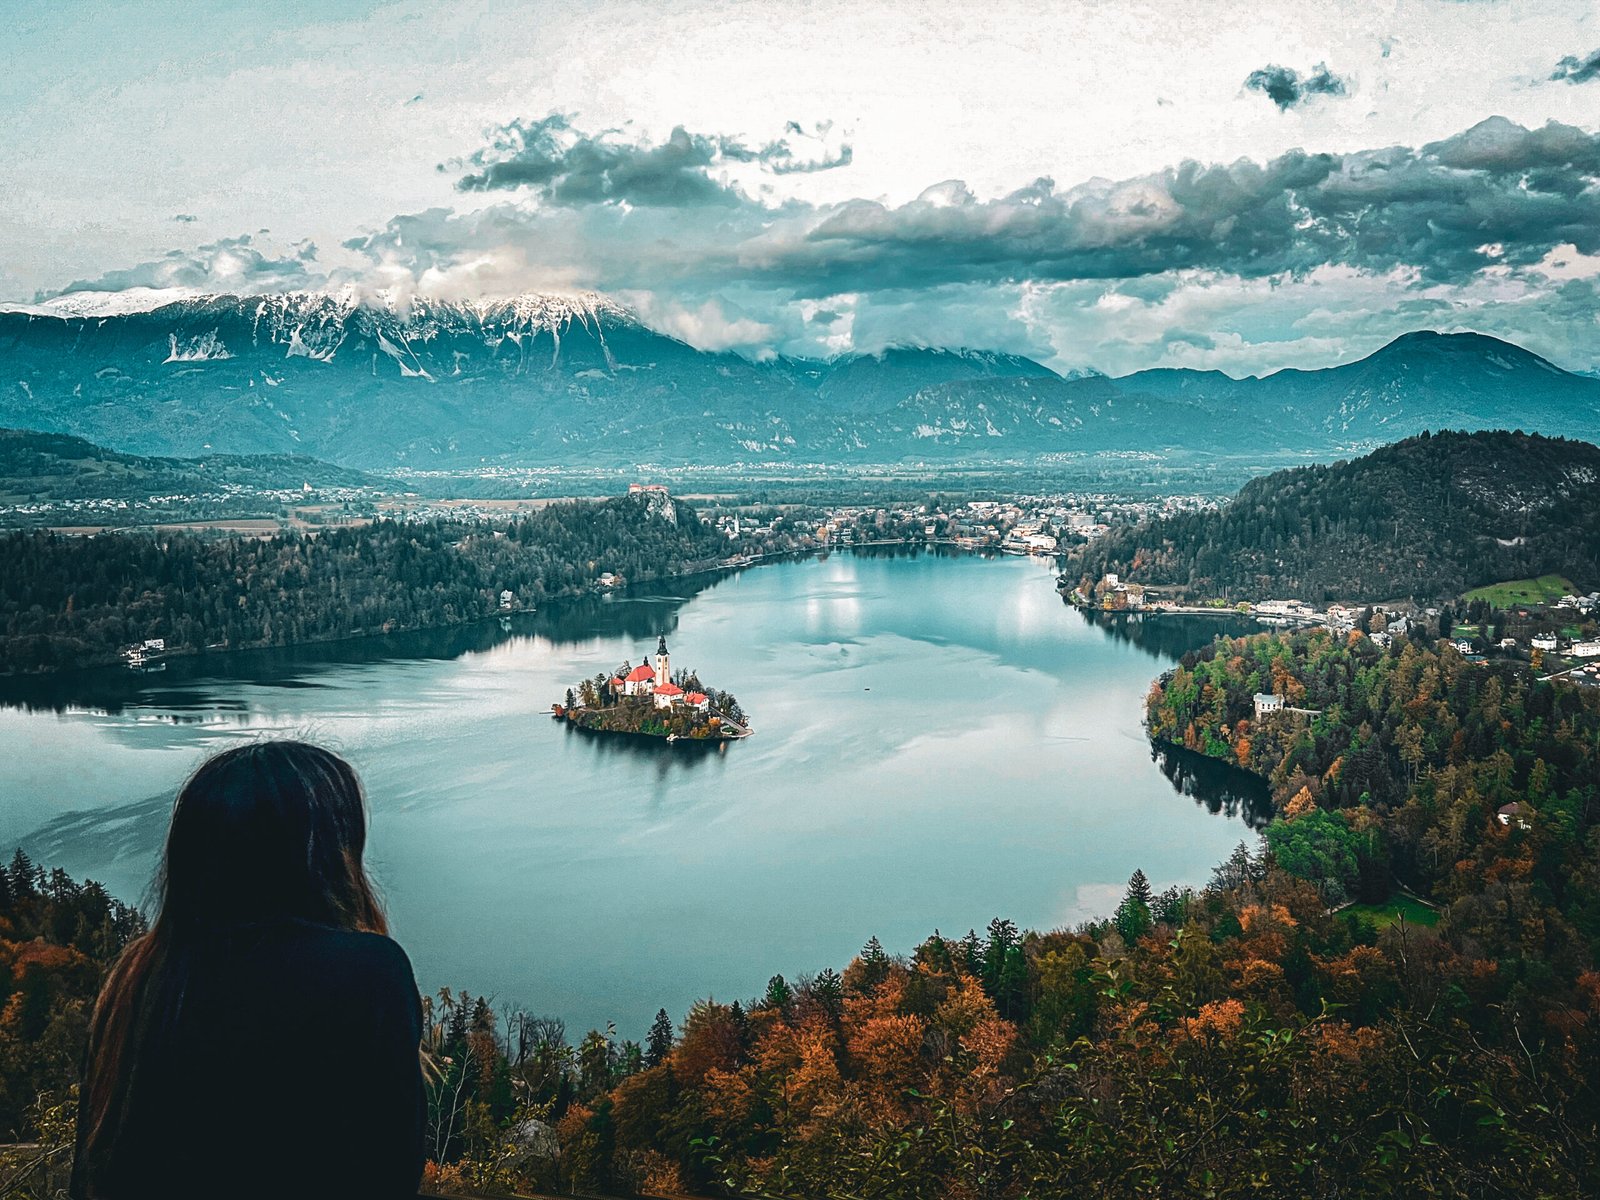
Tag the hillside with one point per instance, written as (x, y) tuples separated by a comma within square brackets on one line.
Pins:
[(58, 479), (1425, 518), (70, 602), (52, 465), (580, 381)]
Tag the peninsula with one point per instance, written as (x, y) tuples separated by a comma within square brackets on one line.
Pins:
[(651, 700)]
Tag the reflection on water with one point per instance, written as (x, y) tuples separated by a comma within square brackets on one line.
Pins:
[(1166, 636), (639, 614), (1217, 786)]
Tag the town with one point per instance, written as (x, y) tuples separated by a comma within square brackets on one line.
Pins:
[(1559, 639)]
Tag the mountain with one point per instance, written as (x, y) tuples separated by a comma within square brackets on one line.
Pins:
[(1426, 518), (1421, 380), (580, 381)]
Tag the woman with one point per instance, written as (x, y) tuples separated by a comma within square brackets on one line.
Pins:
[(262, 1039)]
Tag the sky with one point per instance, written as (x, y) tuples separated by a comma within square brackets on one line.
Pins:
[(1111, 186)]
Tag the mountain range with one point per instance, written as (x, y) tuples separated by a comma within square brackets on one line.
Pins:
[(580, 381)]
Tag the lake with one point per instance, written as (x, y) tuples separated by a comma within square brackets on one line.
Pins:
[(939, 740)]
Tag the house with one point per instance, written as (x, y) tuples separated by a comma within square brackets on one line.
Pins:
[(1585, 649), (698, 701), (1267, 703), (668, 694), (1545, 641), (1508, 813), (507, 599), (1508, 643), (1464, 646)]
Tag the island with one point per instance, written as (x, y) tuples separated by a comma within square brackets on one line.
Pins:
[(652, 701)]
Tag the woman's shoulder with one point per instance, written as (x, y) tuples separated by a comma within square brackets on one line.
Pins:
[(352, 955)]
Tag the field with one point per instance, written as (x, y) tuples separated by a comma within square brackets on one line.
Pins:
[(1386, 914), (1543, 590)]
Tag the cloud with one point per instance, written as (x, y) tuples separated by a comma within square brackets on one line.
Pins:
[(1286, 88), (1494, 201), (229, 265), (1194, 264), (1578, 70), (566, 167), (708, 325)]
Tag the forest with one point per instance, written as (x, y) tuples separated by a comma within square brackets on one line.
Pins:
[(1424, 519), (68, 602), (1255, 1037), (1283, 1031), (57, 939)]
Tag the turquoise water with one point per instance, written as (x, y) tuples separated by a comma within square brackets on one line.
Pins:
[(939, 741)]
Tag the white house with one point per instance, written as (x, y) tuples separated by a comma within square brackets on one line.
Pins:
[(1267, 703), (1545, 641), (668, 694), (1585, 649)]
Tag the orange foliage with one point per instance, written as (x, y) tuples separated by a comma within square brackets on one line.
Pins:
[(1221, 1017), (1337, 1040), (1259, 975), (572, 1123), (1300, 805), (1261, 918)]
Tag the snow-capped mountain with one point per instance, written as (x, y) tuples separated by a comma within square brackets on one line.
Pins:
[(379, 382)]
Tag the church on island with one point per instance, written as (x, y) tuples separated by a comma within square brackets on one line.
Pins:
[(649, 699), (656, 681)]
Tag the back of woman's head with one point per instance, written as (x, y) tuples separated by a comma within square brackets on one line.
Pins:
[(262, 834), (267, 831)]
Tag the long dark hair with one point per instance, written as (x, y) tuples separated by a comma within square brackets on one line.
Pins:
[(261, 834)]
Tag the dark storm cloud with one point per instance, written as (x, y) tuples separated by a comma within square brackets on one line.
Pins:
[(231, 264), (1578, 70), (567, 167), (1497, 194), (1286, 87)]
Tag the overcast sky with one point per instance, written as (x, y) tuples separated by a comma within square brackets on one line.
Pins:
[(1110, 185)]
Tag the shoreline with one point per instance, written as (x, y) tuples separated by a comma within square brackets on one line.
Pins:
[(723, 567)]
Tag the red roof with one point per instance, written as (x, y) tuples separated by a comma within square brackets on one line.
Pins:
[(640, 673), (669, 689), (617, 681), (696, 697)]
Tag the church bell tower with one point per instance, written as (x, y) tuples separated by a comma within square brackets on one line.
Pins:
[(663, 663)]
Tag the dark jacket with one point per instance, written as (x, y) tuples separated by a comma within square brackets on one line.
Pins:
[(292, 1069)]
